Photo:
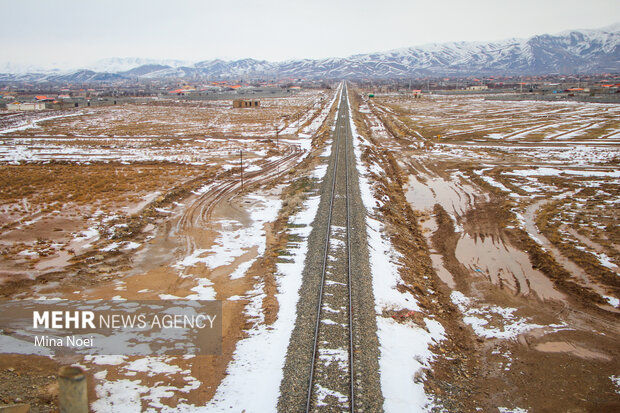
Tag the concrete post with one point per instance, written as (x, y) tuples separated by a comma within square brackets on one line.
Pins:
[(72, 396)]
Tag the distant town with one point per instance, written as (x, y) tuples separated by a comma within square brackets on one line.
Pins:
[(24, 96)]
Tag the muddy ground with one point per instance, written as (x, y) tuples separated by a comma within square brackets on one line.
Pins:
[(513, 231), (131, 203), (505, 215)]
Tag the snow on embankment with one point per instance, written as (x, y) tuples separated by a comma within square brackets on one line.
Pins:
[(404, 347), (253, 377)]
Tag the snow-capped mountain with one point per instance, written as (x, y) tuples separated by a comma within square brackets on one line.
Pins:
[(123, 64), (576, 51), (17, 68)]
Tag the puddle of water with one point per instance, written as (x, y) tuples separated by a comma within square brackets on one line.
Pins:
[(227, 210), (441, 271), (429, 226), (154, 271), (456, 198), (419, 195), (8, 276), (134, 209), (587, 241), (566, 347), (59, 261), (452, 196), (504, 265)]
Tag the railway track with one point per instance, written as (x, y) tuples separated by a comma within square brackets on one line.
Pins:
[(331, 383)]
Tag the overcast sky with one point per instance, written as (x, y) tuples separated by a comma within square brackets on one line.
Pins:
[(70, 33)]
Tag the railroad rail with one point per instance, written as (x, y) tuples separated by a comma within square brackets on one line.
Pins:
[(332, 362)]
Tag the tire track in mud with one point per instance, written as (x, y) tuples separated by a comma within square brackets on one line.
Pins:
[(200, 211)]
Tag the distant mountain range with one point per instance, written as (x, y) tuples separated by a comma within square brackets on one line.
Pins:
[(575, 51)]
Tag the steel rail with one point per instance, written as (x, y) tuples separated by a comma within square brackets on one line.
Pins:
[(351, 345), (340, 125)]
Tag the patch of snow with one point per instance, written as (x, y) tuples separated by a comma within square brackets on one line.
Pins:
[(319, 171), (34, 123), (557, 172), (109, 360), (126, 395), (605, 261), (404, 353), (616, 381), (323, 393), (118, 395), (512, 410), (339, 356), (613, 301), (490, 180), (478, 318), (131, 246), (236, 239)]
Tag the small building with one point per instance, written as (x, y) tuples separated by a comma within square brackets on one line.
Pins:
[(179, 92), (477, 87), (246, 103), (416, 93), (26, 106)]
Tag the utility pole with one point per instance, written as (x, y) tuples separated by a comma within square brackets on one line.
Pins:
[(241, 155)]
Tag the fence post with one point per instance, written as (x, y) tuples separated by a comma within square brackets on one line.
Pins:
[(72, 396)]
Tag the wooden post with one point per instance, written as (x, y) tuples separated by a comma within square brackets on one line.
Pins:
[(72, 396)]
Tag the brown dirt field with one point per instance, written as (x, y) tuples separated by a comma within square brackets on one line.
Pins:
[(52, 204), (29, 380), (115, 197), (465, 118), (166, 122), (566, 363)]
